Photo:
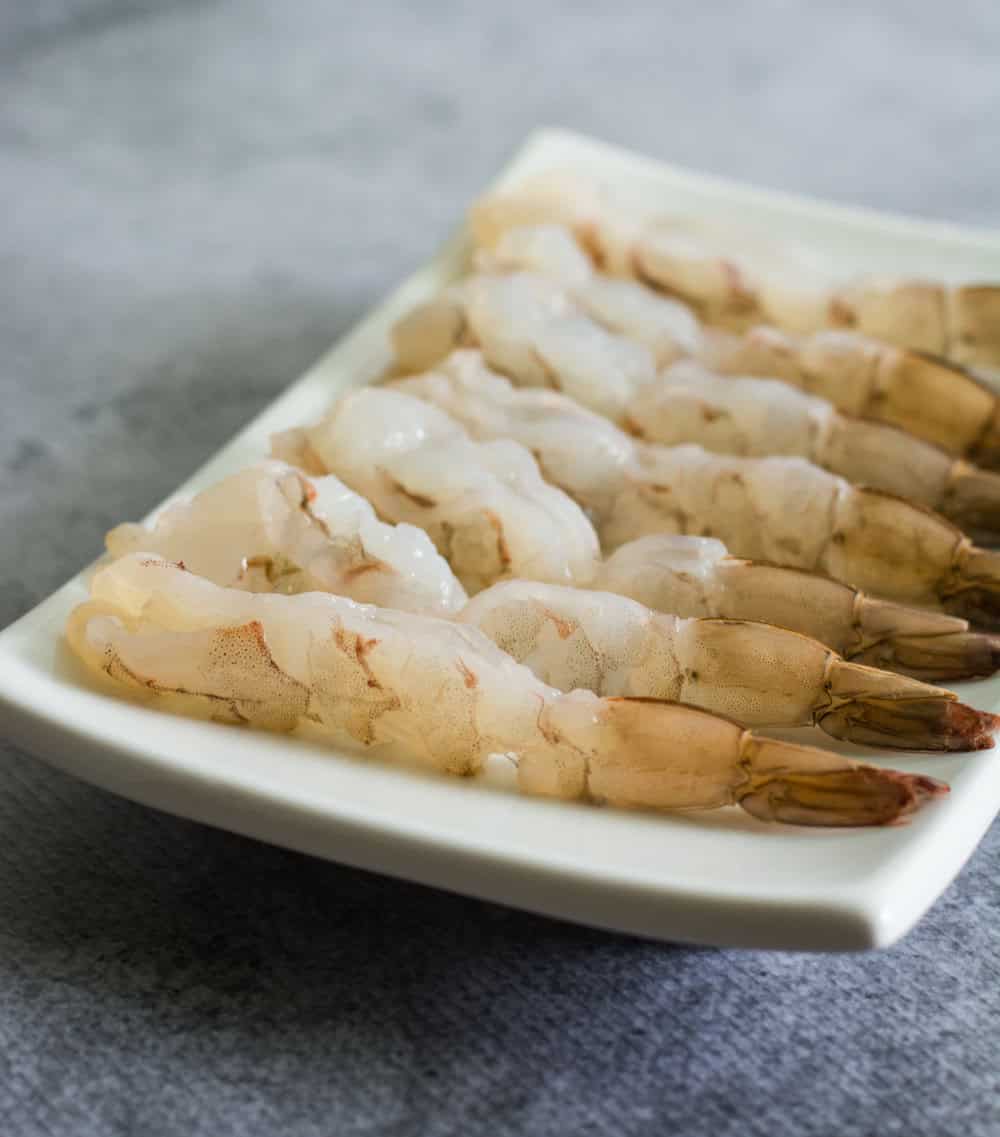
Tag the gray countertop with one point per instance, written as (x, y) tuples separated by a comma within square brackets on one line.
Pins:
[(197, 198)]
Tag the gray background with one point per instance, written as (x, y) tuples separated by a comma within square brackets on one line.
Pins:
[(195, 200)]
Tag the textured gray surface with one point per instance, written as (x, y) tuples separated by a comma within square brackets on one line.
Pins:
[(195, 199)]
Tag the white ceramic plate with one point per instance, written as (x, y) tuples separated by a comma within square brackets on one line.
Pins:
[(717, 878)]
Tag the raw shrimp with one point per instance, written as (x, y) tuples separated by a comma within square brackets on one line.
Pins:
[(484, 504), (668, 328), (426, 690), (534, 298), (270, 528), (696, 576), (528, 328), (761, 417), (921, 394), (737, 278), (759, 674), (262, 515), (783, 510)]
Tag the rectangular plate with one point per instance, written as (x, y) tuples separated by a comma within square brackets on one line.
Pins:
[(718, 878)]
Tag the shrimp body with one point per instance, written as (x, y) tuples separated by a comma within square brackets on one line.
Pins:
[(429, 691), (736, 278), (270, 528), (757, 418), (696, 576), (759, 674), (484, 504), (784, 510), (528, 327), (926, 396), (667, 328)]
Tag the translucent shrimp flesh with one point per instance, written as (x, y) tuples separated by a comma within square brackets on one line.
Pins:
[(735, 277), (261, 516), (757, 418), (271, 528), (485, 505), (783, 510), (697, 576), (759, 674), (530, 328), (430, 691), (926, 395)]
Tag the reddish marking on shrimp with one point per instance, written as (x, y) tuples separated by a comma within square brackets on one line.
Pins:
[(161, 562), (841, 313), (503, 549), (368, 566), (357, 647), (468, 675), (740, 295), (564, 628), (418, 499)]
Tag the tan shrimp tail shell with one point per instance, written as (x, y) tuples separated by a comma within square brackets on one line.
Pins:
[(877, 708), (975, 590), (974, 311), (929, 397), (670, 756), (972, 499), (778, 790), (885, 544), (926, 645)]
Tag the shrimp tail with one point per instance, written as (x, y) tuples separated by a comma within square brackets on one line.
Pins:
[(923, 644), (956, 655), (917, 642), (853, 795), (887, 545), (974, 590), (877, 708), (972, 500), (652, 754)]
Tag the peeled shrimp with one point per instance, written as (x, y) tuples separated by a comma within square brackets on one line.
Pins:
[(696, 576), (426, 690), (760, 417), (531, 328), (666, 327), (484, 504), (266, 508), (921, 394), (736, 278), (924, 395), (759, 674), (270, 528), (783, 510)]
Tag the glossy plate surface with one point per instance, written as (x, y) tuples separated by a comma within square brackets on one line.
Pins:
[(720, 878)]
